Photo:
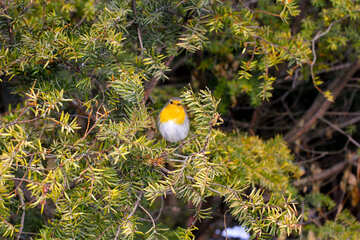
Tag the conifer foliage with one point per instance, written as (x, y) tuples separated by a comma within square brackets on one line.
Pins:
[(81, 157)]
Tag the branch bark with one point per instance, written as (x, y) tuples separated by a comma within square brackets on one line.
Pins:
[(341, 124), (320, 106), (154, 82), (138, 27), (21, 197), (326, 173)]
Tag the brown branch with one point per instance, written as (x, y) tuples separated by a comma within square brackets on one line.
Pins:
[(88, 124), (20, 193), (343, 113), (16, 121), (267, 13), (117, 232), (21, 197), (341, 131), (340, 124), (325, 173), (138, 28), (161, 209), (313, 41), (225, 227), (180, 63), (147, 213), (77, 104), (136, 205), (254, 119), (335, 68), (98, 117), (140, 41), (155, 81), (320, 105), (103, 232), (4, 6), (21, 122)]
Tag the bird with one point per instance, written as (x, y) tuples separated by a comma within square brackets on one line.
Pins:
[(173, 121)]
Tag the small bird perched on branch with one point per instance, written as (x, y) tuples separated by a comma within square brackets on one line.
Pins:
[(173, 121)]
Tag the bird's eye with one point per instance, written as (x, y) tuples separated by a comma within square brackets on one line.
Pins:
[(171, 102)]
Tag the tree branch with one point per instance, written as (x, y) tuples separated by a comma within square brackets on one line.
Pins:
[(136, 205), (155, 81), (325, 173), (341, 131), (147, 213), (138, 28), (320, 105), (21, 197), (340, 124), (313, 41)]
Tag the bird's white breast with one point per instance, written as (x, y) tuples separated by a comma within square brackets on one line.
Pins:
[(174, 132)]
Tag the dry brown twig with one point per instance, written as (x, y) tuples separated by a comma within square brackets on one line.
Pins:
[(351, 139), (325, 173)]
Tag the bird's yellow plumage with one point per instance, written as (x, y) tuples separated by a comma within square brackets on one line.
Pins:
[(173, 121), (173, 111)]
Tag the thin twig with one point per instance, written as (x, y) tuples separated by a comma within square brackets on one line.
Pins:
[(26, 172), (5, 6), (140, 41), (103, 232), (313, 41), (147, 213), (117, 232), (79, 23), (180, 156), (225, 227), (131, 213), (136, 205), (20, 193), (21, 197), (312, 159), (161, 209), (213, 190), (138, 28), (267, 13), (302, 216), (175, 160), (335, 68), (102, 115), (341, 131), (24, 180), (343, 113), (23, 121), (341, 124), (325, 173), (88, 123)]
